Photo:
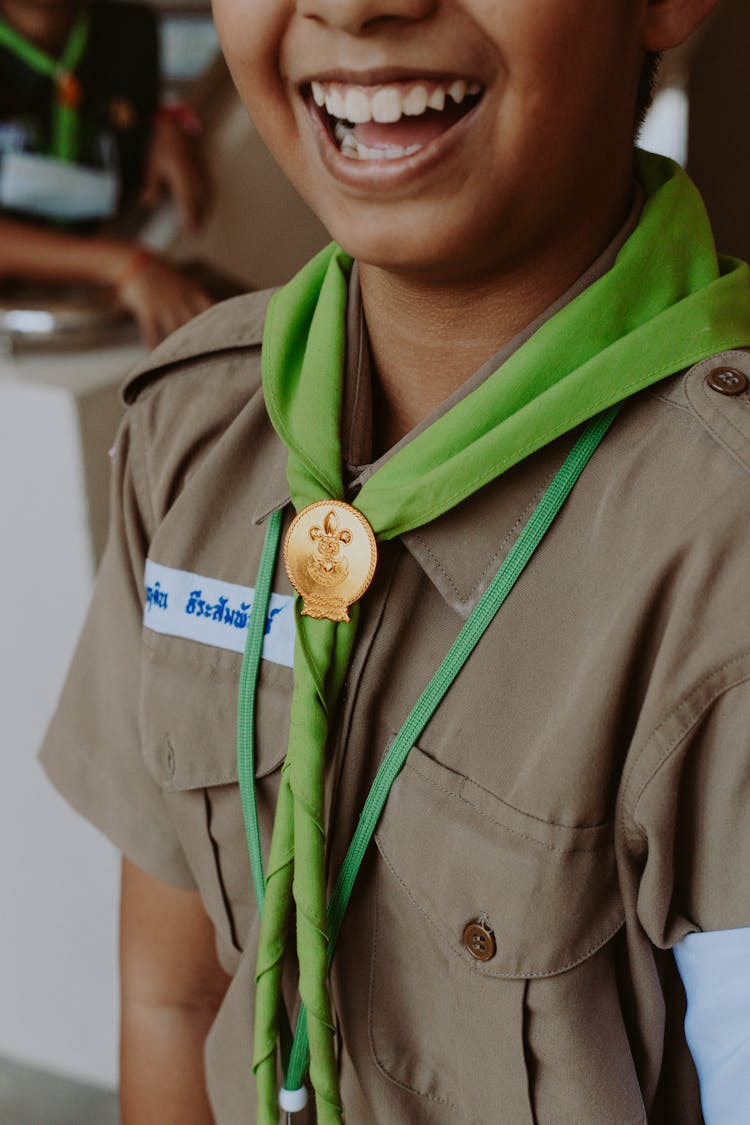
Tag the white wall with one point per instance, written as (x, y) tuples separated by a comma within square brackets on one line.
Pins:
[(665, 130), (59, 877)]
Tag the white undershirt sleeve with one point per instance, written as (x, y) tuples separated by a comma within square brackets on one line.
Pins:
[(715, 970)]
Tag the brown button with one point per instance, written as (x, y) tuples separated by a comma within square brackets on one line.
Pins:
[(480, 941), (728, 381)]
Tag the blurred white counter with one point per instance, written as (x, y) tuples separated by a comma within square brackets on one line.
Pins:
[(58, 416)]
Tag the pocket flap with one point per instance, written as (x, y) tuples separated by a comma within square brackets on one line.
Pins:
[(549, 891), (189, 713)]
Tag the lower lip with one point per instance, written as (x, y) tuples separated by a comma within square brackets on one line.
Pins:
[(388, 172)]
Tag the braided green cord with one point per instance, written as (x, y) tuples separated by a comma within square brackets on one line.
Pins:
[(299, 838), (324, 645), (246, 704), (274, 928), (425, 707), (281, 856), (312, 936)]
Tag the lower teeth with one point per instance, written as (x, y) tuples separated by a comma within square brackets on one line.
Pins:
[(355, 150)]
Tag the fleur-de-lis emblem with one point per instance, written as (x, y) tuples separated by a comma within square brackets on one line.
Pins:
[(338, 570), (329, 538), (328, 567)]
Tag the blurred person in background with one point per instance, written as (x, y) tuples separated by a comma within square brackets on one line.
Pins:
[(82, 137)]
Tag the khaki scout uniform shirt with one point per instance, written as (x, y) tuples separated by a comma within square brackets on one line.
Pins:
[(584, 785)]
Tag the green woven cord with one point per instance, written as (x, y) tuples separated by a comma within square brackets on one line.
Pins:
[(322, 647), (274, 926), (301, 849), (246, 705)]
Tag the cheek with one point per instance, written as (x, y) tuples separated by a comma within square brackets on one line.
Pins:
[(254, 35), (251, 33), (575, 83)]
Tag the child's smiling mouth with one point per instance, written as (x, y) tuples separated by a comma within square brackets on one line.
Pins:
[(393, 120)]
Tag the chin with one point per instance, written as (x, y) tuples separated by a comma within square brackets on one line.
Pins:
[(407, 246)]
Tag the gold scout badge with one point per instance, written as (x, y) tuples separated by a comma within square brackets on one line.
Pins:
[(330, 556)]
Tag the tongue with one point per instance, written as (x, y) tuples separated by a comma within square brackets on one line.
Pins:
[(409, 130)]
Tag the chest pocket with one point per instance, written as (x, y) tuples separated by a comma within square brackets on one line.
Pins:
[(518, 1037), (188, 736)]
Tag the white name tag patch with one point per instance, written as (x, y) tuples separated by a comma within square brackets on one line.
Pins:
[(182, 604)]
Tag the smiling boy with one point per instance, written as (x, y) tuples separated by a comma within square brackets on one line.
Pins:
[(511, 416)]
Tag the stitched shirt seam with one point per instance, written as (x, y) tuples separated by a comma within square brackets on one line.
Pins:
[(675, 742), (506, 827)]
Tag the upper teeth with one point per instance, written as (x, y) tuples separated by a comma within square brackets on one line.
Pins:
[(385, 104)]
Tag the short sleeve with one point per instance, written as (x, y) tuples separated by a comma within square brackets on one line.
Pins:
[(688, 819), (92, 749)]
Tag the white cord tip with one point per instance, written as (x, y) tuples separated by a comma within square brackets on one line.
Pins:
[(292, 1101)]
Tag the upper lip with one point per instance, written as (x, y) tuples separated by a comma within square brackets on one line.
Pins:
[(383, 76)]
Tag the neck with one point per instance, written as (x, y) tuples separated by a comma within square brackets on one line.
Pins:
[(428, 339), (46, 25)]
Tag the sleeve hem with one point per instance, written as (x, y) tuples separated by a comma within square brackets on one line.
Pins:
[(158, 855), (671, 733)]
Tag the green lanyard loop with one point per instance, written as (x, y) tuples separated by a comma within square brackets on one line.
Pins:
[(246, 729), (65, 131), (426, 706)]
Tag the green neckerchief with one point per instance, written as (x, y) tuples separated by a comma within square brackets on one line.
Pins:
[(667, 303), (66, 93)]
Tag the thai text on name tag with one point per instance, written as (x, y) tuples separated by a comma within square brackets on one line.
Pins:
[(180, 603)]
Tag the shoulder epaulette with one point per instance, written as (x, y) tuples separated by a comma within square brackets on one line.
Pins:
[(228, 326)]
